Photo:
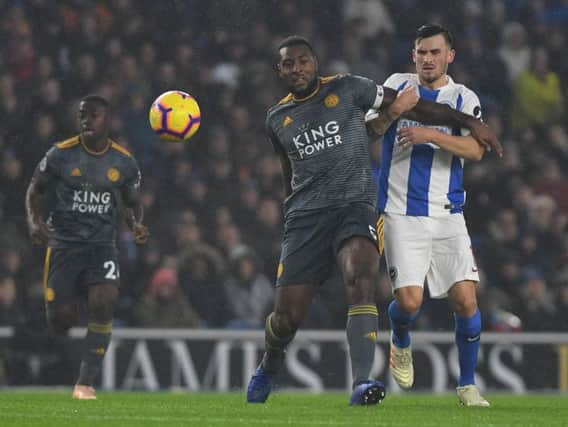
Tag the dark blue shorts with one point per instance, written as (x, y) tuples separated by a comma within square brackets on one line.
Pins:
[(69, 271), (311, 241)]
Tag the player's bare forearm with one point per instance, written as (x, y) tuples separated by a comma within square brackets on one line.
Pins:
[(465, 147), (462, 146), (405, 101), (34, 211), (380, 124)]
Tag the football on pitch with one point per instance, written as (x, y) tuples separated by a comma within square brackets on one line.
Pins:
[(175, 116)]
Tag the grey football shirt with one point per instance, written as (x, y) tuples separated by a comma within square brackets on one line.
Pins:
[(325, 139), (85, 185)]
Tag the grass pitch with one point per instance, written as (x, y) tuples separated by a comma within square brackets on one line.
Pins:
[(55, 408)]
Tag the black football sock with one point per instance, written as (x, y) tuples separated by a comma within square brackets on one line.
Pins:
[(362, 326), (275, 348), (96, 344)]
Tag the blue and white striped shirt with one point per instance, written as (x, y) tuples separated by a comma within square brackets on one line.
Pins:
[(424, 180)]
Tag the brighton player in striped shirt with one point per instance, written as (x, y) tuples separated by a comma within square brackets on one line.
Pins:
[(421, 199), (319, 134)]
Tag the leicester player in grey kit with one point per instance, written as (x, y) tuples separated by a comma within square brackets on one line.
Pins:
[(319, 133), (94, 181)]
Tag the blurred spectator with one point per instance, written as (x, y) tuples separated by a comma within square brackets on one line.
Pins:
[(249, 293), (538, 96), (9, 313), (514, 50), (563, 305), (538, 312), (375, 17), (202, 270), (164, 305)]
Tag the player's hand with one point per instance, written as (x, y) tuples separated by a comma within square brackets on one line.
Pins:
[(413, 135), (485, 136), (39, 233), (140, 232), (405, 101)]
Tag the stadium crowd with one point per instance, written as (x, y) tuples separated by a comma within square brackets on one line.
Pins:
[(213, 205)]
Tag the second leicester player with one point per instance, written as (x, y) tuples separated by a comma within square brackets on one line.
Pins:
[(93, 180)]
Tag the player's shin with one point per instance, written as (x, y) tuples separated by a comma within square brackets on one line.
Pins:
[(468, 332), (400, 324), (362, 327), (96, 344)]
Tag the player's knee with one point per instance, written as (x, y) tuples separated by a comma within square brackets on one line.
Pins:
[(361, 284), (410, 303), (102, 301), (466, 307), (287, 322), (62, 319)]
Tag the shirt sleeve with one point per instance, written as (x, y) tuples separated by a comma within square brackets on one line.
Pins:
[(470, 105), (396, 81), (272, 136), (367, 94), (131, 185), (393, 82), (48, 167)]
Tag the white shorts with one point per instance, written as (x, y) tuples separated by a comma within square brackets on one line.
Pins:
[(436, 250)]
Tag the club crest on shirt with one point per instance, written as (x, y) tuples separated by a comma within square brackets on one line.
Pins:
[(113, 175), (287, 121), (76, 172), (331, 100)]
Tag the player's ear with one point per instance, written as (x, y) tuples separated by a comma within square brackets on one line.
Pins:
[(414, 55), (451, 56)]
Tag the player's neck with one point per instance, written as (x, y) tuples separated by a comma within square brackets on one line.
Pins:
[(98, 146), (309, 92), (436, 84)]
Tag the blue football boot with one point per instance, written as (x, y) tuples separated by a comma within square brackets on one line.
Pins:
[(259, 386), (368, 393)]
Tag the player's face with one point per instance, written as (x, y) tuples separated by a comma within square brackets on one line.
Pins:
[(432, 56), (298, 67), (94, 120)]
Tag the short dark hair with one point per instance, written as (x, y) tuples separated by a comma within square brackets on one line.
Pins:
[(97, 99), (295, 40), (430, 30)]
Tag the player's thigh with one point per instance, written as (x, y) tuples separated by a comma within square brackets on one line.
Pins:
[(408, 249), (358, 261), (63, 269), (306, 257), (452, 257), (358, 220), (102, 266), (102, 279)]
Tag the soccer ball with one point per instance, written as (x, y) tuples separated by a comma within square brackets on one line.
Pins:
[(175, 116)]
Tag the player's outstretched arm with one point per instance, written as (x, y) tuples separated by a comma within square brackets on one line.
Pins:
[(35, 194), (433, 113), (405, 101)]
